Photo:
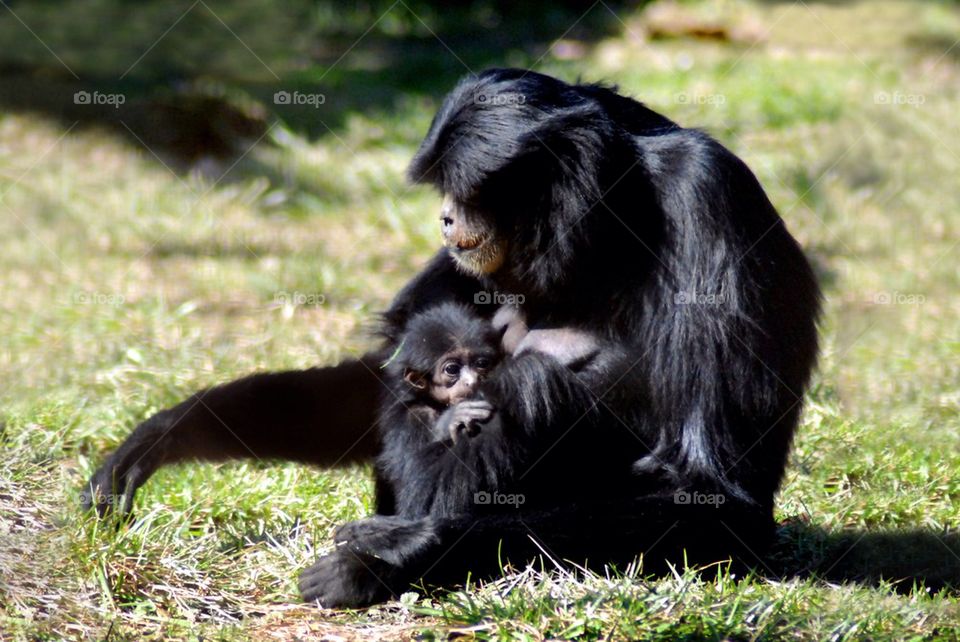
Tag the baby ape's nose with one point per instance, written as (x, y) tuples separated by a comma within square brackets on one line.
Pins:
[(468, 379)]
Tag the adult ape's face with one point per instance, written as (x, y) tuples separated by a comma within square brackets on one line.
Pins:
[(471, 237)]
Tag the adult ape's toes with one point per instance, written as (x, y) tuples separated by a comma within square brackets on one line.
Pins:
[(344, 579)]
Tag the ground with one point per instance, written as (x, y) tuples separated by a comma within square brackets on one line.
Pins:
[(134, 274)]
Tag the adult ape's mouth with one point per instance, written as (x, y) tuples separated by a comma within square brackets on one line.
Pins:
[(471, 244), (479, 255)]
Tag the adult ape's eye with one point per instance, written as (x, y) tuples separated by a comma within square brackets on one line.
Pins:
[(452, 369)]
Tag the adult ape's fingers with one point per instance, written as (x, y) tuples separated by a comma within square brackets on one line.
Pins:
[(511, 324), (102, 491), (113, 486)]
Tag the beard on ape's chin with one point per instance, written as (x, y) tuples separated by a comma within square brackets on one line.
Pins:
[(483, 260)]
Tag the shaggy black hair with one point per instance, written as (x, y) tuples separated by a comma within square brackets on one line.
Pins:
[(616, 222)]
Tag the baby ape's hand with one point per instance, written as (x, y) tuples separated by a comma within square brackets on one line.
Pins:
[(466, 417)]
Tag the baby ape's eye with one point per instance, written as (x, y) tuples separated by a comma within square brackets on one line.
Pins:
[(481, 363), (452, 369)]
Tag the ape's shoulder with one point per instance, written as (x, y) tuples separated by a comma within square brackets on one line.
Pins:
[(438, 282), (691, 166)]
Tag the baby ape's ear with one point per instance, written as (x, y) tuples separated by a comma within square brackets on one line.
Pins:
[(416, 379)]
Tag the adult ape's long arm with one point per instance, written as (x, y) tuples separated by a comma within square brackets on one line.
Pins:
[(324, 416)]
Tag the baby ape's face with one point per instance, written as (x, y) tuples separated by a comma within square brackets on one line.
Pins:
[(471, 238), (455, 377)]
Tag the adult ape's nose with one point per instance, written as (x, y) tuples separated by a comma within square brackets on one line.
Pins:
[(448, 222), (448, 230)]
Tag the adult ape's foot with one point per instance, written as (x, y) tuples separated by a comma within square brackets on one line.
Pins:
[(376, 558), (347, 579)]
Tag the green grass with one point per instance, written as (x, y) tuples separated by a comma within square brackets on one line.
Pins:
[(128, 284)]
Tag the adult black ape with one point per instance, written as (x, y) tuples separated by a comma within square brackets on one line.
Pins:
[(610, 219)]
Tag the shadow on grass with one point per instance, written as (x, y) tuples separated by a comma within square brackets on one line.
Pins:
[(939, 45), (197, 80), (901, 558)]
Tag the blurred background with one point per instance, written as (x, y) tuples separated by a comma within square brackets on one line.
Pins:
[(190, 192)]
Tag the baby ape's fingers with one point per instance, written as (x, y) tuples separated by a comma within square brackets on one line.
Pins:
[(467, 426), (477, 409), (471, 429), (466, 417), (469, 416), (462, 426), (473, 413)]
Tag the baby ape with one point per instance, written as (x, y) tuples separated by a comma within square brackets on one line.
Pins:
[(445, 353), (432, 415), (610, 220)]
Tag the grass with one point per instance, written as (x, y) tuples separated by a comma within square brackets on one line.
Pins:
[(130, 280)]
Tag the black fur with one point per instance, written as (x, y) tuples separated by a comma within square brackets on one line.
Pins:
[(432, 332), (414, 435), (659, 239), (620, 223)]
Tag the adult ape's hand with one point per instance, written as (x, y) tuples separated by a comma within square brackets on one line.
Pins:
[(511, 323), (323, 416)]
